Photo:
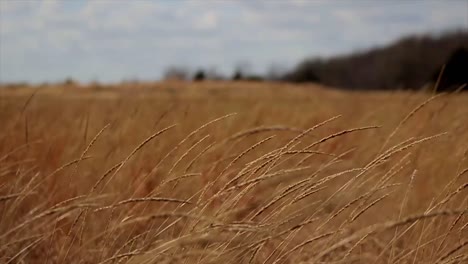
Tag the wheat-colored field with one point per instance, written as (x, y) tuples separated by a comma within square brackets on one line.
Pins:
[(220, 172)]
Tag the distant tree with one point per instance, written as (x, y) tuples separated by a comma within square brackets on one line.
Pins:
[(275, 72), (305, 72), (408, 63), (237, 76), (213, 74), (176, 73), (455, 73), (242, 70), (254, 78), (69, 82), (199, 75)]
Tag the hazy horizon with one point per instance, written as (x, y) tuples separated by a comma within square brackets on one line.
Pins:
[(111, 41)]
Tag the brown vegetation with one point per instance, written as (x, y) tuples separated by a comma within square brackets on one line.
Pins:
[(220, 172)]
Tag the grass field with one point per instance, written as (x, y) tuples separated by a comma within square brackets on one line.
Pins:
[(220, 172)]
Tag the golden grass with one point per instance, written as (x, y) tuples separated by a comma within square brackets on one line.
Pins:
[(221, 172)]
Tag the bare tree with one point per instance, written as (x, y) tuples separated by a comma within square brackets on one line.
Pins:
[(176, 73)]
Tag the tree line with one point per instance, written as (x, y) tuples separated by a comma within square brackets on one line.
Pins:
[(409, 63)]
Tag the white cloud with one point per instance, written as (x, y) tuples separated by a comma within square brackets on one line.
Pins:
[(123, 16), (14, 6), (207, 21), (114, 39), (48, 8)]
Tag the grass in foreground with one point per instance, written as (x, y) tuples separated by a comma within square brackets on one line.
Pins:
[(232, 173)]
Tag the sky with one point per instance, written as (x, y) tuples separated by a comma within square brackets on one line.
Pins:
[(111, 41)]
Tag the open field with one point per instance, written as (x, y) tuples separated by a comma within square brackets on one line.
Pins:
[(232, 173)]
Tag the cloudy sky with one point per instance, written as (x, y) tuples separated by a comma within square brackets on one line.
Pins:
[(116, 40)]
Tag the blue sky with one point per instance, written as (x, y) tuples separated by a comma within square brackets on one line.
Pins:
[(119, 40)]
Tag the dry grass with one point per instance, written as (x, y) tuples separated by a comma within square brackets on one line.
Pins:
[(232, 173)]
